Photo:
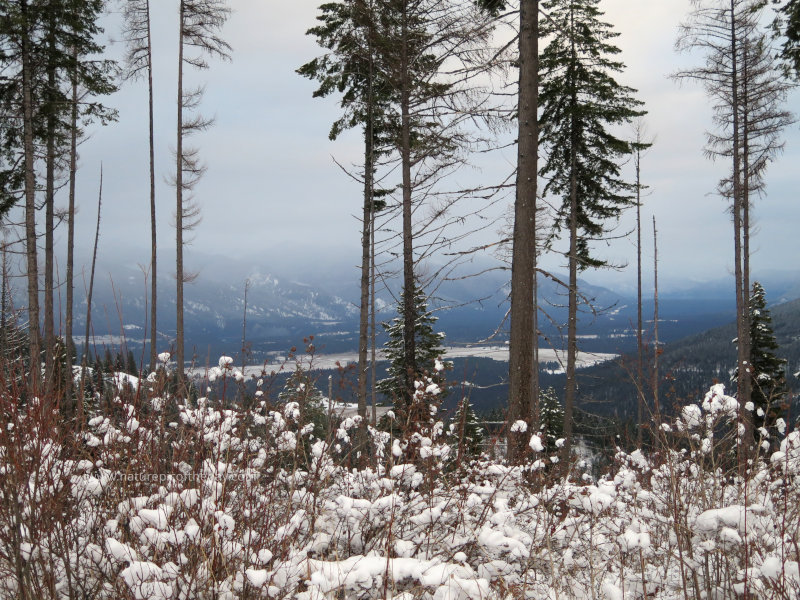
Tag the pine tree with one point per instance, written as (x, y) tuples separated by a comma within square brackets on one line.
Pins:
[(580, 100), (551, 415), (347, 30), (786, 26), (769, 371), (48, 48), (428, 352), (467, 430)]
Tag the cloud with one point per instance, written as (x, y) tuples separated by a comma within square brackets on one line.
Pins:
[(271, 179)]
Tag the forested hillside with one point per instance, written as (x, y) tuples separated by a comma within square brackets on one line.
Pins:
[(688, 365)]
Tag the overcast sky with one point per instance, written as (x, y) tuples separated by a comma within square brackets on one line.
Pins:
[(272, 191)]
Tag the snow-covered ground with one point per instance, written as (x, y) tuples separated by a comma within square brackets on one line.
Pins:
[(327, 362)]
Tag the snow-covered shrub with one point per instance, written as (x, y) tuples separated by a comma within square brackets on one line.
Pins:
[(216, 503)]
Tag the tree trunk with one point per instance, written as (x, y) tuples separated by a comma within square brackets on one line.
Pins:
[(73, 168), (85, 359), (363, 336), (639, 345), (409, 285), (521, 338), (572, 315), (366, 219), (49, 218), (179, 216), (153, 261), (744, 340), (656, 351), (372, 324), (743, 378), (572, 310), (30, 208), (535, 408)]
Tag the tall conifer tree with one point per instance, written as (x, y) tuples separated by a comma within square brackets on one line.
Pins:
[(580, 100), (348, 31)]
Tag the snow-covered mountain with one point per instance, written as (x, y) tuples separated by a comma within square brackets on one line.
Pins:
[(320, 298)]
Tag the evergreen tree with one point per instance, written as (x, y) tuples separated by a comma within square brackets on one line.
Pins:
[(786, 26), (769, 371), (790, 28), (46, 49), (428, 351), (130, 364), (347, 30), (580, 100), (467, 430), (551, 416)]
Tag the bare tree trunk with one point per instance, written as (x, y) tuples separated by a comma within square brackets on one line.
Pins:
[(30, 208), (523, 263), (366, 220), (180, 361), (409, 285), (372, 324), (244, 326), (572, 315), (4, 301), (639, 345), (535, 408), (49, 218), (153, 245), (656, 350), (572, 309), (744, 340), (85, 359), (743, 377), (73, 168)]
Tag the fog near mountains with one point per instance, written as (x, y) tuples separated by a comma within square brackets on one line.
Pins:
[(319, 297)]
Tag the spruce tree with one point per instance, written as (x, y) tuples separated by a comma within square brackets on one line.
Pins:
[(551, 415), (580, 101), (467, 430), (768, 370), (786, 26), (48, 48), (428, 349)]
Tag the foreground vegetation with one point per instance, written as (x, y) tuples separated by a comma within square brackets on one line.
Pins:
[(151, 497)]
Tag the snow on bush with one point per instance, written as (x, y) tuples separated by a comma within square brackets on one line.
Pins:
[(231, 503)]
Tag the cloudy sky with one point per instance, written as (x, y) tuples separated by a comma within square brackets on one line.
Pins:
[(273, 194)]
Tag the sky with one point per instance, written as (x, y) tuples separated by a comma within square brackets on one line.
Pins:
[(273, 193)]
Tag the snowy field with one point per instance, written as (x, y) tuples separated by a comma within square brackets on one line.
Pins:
[(327, 362)]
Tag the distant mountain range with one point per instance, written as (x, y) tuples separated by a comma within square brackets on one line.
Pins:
[(320, 298)]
